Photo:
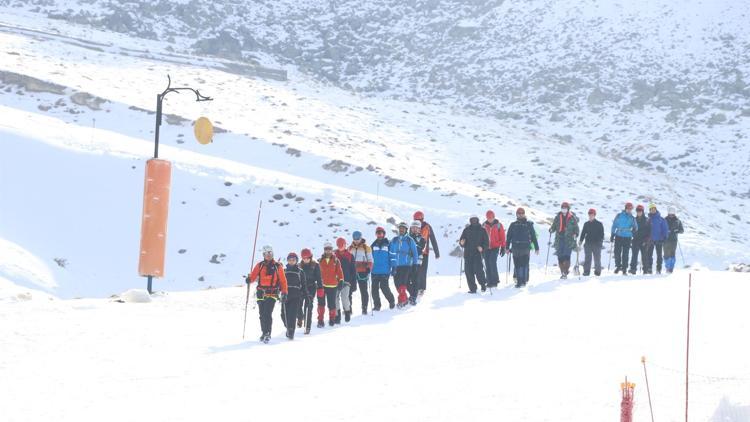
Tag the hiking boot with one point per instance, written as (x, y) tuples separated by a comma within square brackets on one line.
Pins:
[(391, 305), (338, 317), (321, 324), (299, 323), (347, 315), (331, 322), (307, 330), (364, 311), (484, 287), (376, 308), (617, 270), (632, 271)]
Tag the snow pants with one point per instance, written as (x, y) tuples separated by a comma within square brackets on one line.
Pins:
[(380, 283), (521, 268), (592, 252), (329, 298), (265, 311), (490, 260), (474, 270), (658, 246), (401, 280), (289, 313), (670, 251), (638, 246), (622, 247), (423, 272), (364, 295), (413, 286), (343, 296), (304, 312)]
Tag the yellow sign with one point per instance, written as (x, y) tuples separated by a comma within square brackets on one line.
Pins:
[(204, 130)]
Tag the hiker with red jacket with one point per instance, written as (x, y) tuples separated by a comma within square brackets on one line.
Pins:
[(429, 237), (331, 275), (271, 287), (362, 256), (348, 283), (496, 233), (313, 281)]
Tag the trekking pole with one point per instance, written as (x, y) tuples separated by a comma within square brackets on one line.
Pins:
[(252, 262), (683, 256), (507, 271), (484, 269), (546, 261), (648, 389), (609, 262), (461, 268)]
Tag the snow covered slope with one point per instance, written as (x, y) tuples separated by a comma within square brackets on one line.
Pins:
[(76, 125), (556, 351)]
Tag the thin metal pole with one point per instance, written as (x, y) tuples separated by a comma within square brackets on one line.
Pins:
[(159, 99), (252, 263), (687, 349), (648, 389), (148, 287), (546, 261)]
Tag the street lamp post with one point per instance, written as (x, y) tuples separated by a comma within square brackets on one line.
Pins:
[(156, 198)]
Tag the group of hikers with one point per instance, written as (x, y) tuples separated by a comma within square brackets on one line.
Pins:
[(352, 266)]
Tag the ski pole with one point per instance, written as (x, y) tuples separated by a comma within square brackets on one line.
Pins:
[(609, 262), (681, 254), (252, 262), (546, 261), (461, 268), (648, 389), (507, 271)]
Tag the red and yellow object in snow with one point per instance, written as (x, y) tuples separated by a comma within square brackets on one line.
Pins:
[(154, 220)]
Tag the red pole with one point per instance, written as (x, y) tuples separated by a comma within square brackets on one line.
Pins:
[(687, 349)]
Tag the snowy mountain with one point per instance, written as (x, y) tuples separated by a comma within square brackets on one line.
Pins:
[(77, 101)]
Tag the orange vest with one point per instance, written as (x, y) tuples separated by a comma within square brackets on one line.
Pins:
[(271, 283)]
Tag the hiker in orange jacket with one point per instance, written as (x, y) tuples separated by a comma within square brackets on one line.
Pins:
[(331, 275), (271, 287)]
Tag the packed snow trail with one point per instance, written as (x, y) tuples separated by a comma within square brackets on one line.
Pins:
[(556, 350)]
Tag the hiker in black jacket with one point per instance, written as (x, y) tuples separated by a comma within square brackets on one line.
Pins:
[(474, 240), (313, 282), (519, 239), (593, 236), (295, 281), (640, 241)]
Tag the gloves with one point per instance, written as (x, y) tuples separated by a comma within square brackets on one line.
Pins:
[(247, 279), (283, 298), (320, 293), (502, 252), (536, 252), (393, 271), (480, 249), (340, 285), (437, 256), (612, 238)]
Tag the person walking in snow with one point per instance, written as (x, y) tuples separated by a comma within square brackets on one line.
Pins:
[(313, 282), (331, 275), (565, 228), (362, 256), (675, 228), (429, 236), (475, 241), (593, 236), (296, 283), (404, 255), (349, 282), (623, 227), (271, 287), (381, 270), (520, 239), (496, 234), (640, 240), (659, 231), (415, 231)]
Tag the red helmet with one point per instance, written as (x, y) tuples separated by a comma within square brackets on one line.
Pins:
[(490, 215), (341, 243), (520, 211), (379, 230), (639, 207), (565, 205), (629, 205), (306, 253), (592, 211), (419, 215), (292, 255)]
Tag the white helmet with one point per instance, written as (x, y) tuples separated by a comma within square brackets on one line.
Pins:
[(416, 224), (267, 249), (328, 245)]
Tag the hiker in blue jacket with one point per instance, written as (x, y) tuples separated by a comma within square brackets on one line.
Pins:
[(381, 270), (403, 252), (623, 228), (659, 231)]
